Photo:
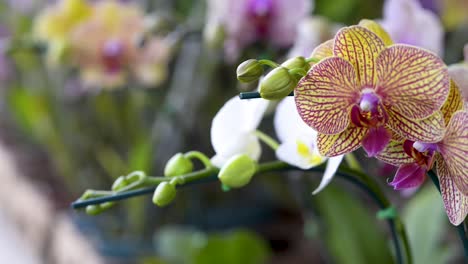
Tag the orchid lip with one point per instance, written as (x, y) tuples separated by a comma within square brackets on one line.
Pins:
[(423, 147), (369, 101)]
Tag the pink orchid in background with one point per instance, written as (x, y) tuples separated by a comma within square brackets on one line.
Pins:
[(450, 154), (459, 73), (408, 22), (365, 92), (244, 22)]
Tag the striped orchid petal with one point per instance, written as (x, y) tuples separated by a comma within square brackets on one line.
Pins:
[(454, 102), (412, 81), (454, 150), (323, 50), (325, 95), (344, 142), (431, 129), (455, 202), (360, 47), (395, 154)]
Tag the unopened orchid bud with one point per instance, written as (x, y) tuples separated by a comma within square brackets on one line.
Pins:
[(164, 194), (178, 165), (249, 71), (237, 171), (296, 63), (277, 84)]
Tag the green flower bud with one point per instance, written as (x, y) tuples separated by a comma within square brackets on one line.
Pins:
[(296, 62), (249, 71), (93, 209), (164, 194), (277, 84), (237, 171), (178, 165)]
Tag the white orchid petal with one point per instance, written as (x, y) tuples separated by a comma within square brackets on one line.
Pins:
[(301, 152), (332, 167), (288, 124), (247, 144), (287, 152), (234, 120)]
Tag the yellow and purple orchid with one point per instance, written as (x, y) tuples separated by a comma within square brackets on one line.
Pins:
[(365, 91), (416, 158)]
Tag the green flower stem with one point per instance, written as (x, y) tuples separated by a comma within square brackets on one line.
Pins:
[(271, 142), (312, 59), (269, 63), (148, 184), (460, 227), (200, 156)]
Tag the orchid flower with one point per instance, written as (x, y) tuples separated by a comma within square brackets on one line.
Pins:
[(364, 92), (408, 22), (103, 45), (233, 129), (247, 21), (298, 142), (450, 154)]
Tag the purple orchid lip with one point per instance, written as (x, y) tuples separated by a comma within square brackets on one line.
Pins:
[(369, 101), (112, 55), (423, 147), (260, 12)]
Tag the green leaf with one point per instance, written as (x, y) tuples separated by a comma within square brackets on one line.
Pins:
[(233, 248), (426, 223), (351, 231)]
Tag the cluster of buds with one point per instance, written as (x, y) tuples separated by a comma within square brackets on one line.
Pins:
[(397, 101), (102, 39), (280, 81)]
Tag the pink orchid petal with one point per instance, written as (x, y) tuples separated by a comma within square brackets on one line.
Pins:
[(324, 97), (360, 47), (412, 81), (454, 150), (409, 176), (376, 140)]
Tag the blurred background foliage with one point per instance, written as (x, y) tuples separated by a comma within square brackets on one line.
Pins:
[(90, 137)]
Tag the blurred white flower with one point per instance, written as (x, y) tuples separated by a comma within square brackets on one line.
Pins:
[(408, 22), (243, 22), (299, 142), (233, 129)]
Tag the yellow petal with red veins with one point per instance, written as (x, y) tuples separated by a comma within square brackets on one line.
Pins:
[(412, 81), (377, 29), (453, 103), (360, 47), (323, 50), (430, 130), (325, 95), (456, 204), (345, 142), (395, 154), (454, 150)]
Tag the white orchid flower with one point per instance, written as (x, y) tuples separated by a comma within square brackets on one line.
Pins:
[(299, 142), (233, 129)]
